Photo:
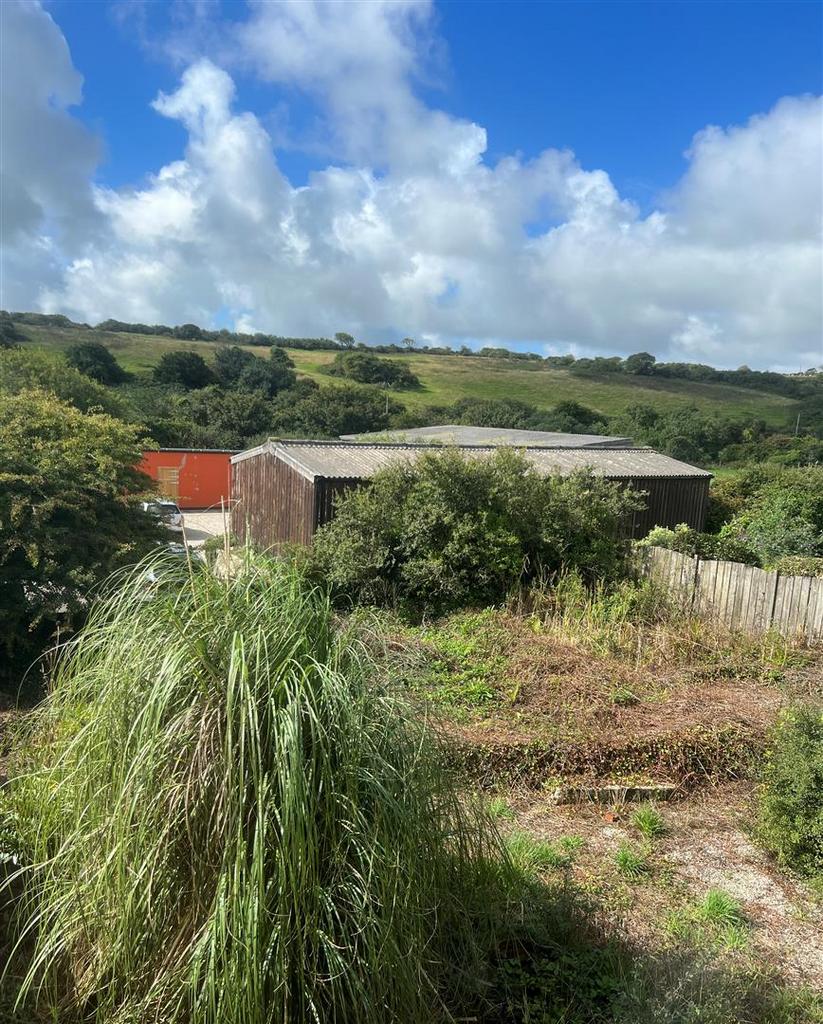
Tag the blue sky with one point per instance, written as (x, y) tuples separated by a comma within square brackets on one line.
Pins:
[(624, 85), (585, 177)]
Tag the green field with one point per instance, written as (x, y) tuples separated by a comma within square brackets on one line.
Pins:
[(448, 378)]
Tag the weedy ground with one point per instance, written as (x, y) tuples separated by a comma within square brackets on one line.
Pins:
[(595, 692), (602, 689)]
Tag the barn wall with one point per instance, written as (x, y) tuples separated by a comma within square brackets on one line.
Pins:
[(194, 479), (670, 501), (279, 505), (272, 503), (326, 494)]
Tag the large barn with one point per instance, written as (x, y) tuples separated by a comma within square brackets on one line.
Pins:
[(282, 491), (456, 433)]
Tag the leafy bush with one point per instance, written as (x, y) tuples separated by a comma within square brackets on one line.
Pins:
[(797, 565), (450, 530), (69, 515), (229, 821), (776, 511), (236, 368), (370, 369), (310, 411), (183, 369), (22, 369), (791, 797), (704, 545), (97, 362)]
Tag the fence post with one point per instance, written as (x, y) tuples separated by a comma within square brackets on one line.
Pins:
[(773, 603), (695, 579)]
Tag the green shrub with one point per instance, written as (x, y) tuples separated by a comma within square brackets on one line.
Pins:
[(704, 545), (366, 368), (96, 361), (450, 530), (797, 565), (780, 512), (791, 796), (229, 821)]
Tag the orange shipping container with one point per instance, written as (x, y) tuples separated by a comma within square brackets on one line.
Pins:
[(194, 479)]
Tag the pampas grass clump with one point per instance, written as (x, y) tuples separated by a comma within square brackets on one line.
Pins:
[(229, 822)]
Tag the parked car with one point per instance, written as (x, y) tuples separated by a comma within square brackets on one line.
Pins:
[(168, 512)]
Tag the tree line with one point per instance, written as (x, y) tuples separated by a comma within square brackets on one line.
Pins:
[(805, 385)]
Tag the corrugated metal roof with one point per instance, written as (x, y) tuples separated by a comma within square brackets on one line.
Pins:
[(346, 461), (452, 433)]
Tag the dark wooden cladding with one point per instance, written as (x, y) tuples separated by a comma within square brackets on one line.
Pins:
[(669, 502), (274, 504)]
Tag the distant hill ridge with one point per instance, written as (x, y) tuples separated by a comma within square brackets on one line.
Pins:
[(640, 364)]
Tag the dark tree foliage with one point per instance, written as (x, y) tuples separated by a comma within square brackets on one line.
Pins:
[(229, 363), (188, 332), (366, 368), (186, 370), (10, 333), (69, 515), (236, 368), (641, 363), (279, 357), (310, 411), (509, 414), (119, 327), (97, 362), (684, 433), (22, 369), (230, 417), (46, 320), (451, 531)]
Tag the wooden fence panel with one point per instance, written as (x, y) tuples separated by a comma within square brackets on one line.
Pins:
[(740, 596), (814, 614)]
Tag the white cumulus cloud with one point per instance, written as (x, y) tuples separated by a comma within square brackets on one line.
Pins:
[(409, 230)]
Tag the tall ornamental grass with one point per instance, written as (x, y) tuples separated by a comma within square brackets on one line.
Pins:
[(227, 821)]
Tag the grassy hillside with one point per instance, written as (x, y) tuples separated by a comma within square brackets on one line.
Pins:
[(448, 378)]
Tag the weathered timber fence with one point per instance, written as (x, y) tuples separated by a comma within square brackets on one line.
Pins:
[(740, 596)]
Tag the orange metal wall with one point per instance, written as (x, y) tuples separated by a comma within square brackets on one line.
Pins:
[(203, 477)]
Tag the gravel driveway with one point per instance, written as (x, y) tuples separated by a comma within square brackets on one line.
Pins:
[(199, 526)]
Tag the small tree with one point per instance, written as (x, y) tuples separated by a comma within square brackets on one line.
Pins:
[(186, 370), (409, 343), (188, 332), (229, 362), (641, 363), (367, 368), (310, 411), (69, 515), (97, 362), (344, 340)]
